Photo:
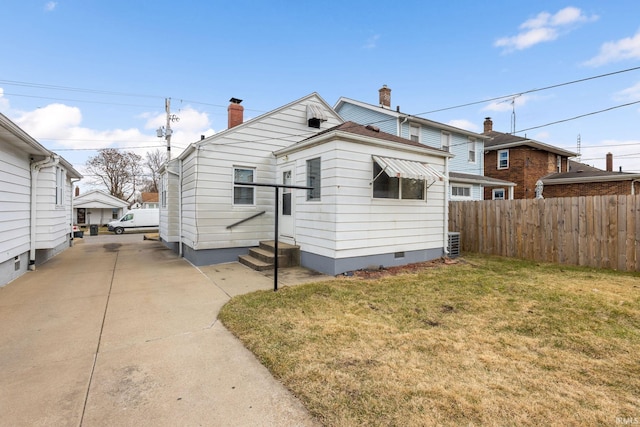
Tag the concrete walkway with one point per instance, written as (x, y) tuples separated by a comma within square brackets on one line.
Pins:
[(119, 331)]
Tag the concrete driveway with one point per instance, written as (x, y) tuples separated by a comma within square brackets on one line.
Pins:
[(119, 331)]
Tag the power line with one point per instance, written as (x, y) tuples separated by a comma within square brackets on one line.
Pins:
[(580, 116), (530, 91)]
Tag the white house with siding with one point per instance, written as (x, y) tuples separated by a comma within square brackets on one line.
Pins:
[(35, 202), (199, 203), (378, 199), (466, 167), (97, 207)]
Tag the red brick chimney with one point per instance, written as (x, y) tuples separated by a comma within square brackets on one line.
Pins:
[(385, 96), (609, 162), (488, 125), (235, 111)]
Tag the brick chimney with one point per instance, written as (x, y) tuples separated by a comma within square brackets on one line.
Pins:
[(609, 162), (385, 97), (235, 111), (488, 125)]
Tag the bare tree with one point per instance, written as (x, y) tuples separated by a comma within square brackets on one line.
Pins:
[(119, 171), (153, 162)]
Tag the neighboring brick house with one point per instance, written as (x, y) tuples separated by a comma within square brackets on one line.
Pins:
[(584, 180), (520, 160)]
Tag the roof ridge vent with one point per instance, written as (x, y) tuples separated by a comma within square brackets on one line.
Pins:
[(373, 128)]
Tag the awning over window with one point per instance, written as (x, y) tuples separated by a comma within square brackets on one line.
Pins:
[(315, 111), (398, 168)]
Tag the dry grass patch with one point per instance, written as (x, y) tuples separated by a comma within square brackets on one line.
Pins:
[(489, 341)]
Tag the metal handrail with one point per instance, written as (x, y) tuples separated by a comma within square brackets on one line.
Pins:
[(245, 220)]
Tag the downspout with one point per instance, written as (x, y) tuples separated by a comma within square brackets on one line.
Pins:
[(445, 218), (35, 170), (73, 181), (180, 208), (633, 187), (400, 123)]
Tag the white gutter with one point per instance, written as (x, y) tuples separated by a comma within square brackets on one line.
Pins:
[(35, 170)]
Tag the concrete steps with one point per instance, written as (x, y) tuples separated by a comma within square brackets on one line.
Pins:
[(263, 257)]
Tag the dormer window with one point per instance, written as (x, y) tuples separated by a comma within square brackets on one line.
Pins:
[(315, 115)]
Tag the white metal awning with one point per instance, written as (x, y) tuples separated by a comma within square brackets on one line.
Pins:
[(398, 168), (315, 111)]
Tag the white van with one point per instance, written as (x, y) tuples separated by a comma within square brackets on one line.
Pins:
[(136, 219)]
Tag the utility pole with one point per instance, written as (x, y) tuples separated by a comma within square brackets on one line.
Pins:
[(166, 131)]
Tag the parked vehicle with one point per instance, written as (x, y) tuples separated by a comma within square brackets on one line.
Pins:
[(136, 219)]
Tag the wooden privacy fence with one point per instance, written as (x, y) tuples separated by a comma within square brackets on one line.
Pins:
[(595, 231)]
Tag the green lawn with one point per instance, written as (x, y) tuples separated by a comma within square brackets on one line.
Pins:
[(487, 341)]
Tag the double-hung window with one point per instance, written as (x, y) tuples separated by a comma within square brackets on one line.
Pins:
[(243, 195), (498, 194), (445, 140), (414, 133), (503, 159), (472, 150)]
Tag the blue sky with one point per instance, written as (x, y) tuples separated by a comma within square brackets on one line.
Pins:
[(79, 75)]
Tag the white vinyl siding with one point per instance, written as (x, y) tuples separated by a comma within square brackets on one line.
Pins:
[(15, 190)]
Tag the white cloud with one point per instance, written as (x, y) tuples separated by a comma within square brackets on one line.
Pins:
[(508, 104), (50, 6), (544, 27), (4, 102), (464, 124), (372, 42), (630, 94), (626, 48)]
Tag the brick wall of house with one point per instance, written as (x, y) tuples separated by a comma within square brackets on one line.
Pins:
[(590, 189), (526, 167)]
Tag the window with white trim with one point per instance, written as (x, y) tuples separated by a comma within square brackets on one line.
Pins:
[(60, 180), (313, 179), (243, 195), (414, 132), (471, 144), (163, 194), (503, 159), (460, 191), (445, 141), (559, 163), (389, 187), (498, 194)]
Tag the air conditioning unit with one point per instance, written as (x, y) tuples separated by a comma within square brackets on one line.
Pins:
[(454, 244)]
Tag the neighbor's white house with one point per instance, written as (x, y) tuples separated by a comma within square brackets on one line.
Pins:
[(466, 167), (35, 202), (377, 199), (97, 207)]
